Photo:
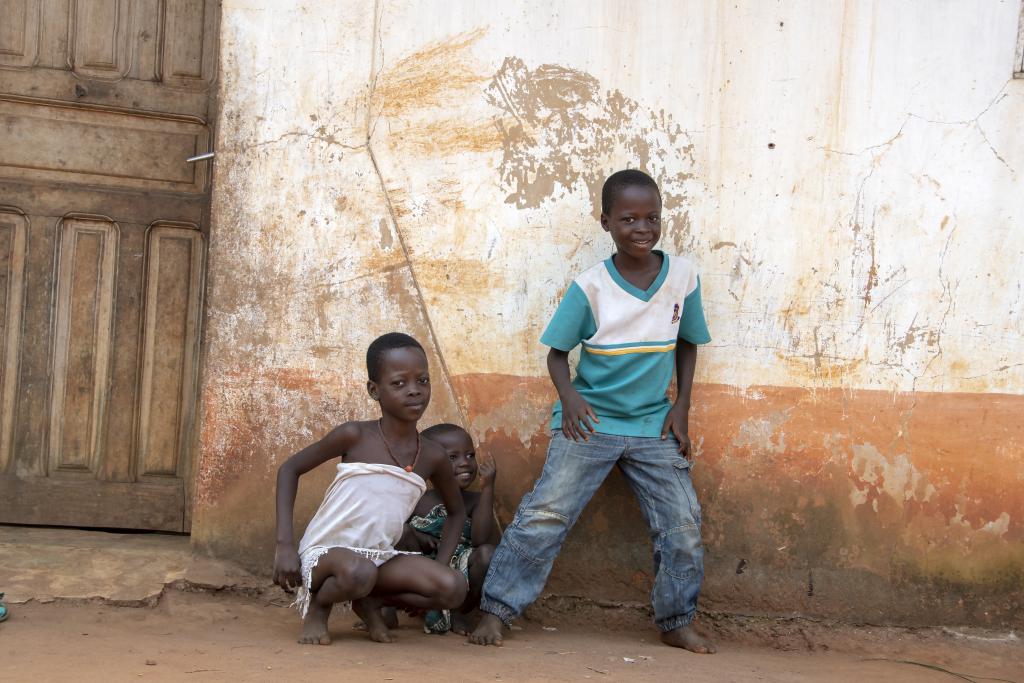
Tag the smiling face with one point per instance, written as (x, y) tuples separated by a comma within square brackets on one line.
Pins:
[(459, 448), (634, 221), (403, 385)]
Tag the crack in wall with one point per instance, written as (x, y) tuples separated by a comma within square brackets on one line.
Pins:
[(1000, 369), (974, 122), (948, 292), (371, 124), (869, 148), (328, 139), (862, 228)]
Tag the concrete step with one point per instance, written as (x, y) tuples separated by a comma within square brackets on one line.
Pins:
[(129, 569)]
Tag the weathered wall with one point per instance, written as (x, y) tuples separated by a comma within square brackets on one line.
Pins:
[(847, 176)]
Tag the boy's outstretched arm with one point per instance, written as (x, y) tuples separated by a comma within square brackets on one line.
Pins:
[(333, 445), (575, 409), (483, 512), (444, 483), (678, 419)]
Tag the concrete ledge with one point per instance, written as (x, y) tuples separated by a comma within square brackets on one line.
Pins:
[(126, 569)]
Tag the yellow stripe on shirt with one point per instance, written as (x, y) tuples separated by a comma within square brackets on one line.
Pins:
[(661, 348)]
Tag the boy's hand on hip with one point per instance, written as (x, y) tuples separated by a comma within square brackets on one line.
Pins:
[(287, 567), (577, 417), (677, 422)]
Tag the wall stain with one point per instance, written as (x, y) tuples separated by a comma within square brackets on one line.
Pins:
[(425, 78), (442, 194), (562, 133), (447, 137), (254, 419), (386, 238), (462, 277)]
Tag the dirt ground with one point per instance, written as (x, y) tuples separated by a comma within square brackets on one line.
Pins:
[(191, 636)]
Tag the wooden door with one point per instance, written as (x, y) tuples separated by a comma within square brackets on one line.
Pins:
[(102, 247)]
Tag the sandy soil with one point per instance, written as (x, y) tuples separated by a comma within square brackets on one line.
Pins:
[(216, 637)]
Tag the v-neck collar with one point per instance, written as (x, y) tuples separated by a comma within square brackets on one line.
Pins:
[(642, 294)]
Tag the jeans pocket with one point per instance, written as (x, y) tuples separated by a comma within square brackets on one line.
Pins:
[(682, 470)]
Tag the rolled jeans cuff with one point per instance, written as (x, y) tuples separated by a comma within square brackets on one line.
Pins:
[(673, 623), (498, 609)]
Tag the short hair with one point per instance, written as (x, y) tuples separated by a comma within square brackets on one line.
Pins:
[(441, 429), (619, 181), (381, 345)]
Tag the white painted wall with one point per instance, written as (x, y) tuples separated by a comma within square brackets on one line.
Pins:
[(877, 245)]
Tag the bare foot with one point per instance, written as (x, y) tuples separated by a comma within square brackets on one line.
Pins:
[(314, 626), (488, 631), (369, 611), (688, 639), (390, 619), (460, 624)]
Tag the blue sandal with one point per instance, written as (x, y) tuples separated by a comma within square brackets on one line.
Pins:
[(3, 609)]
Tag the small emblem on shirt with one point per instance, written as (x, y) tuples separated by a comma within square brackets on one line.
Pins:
[(675, 313)]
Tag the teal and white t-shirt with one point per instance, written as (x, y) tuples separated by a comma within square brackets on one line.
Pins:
[(629, 341)]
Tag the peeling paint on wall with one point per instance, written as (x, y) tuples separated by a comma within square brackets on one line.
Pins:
[(560, 131)]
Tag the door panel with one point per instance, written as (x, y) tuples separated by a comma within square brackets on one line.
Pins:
[(187, 58), (13, 234), (99, 35), (114, 148), (102, 257), (19, 34), (174, 267), (86, 273)]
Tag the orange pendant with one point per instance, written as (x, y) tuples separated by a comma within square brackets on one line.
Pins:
[(408, 468)]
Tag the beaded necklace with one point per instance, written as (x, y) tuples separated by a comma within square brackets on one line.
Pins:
[(407, 468)]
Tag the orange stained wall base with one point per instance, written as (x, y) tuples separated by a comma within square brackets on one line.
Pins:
[(865, 505)]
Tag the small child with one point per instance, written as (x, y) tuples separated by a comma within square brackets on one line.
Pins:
[(423, 531), (638, 316), (348, 551)]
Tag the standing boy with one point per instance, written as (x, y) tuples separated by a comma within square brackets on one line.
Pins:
[(637, 314)]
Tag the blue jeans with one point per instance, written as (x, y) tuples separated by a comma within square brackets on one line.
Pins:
[(660, 479)]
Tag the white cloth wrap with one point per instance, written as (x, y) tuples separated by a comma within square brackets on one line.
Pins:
[(364, 510)]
